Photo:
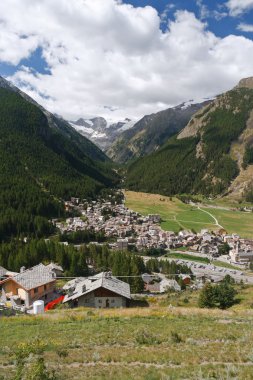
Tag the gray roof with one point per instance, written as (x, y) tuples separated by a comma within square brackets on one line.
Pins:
[(34, 277), (3, 271), (102, 280), (53, 266), (245, 254)]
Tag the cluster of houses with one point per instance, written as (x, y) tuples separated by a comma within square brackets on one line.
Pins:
[(130, 229), (21, 290), (241, 251)]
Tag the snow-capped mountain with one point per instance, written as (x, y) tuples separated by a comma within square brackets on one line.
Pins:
[(101, 131)]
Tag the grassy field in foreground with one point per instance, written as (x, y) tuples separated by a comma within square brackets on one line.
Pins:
[(176, 214), (147, 343)]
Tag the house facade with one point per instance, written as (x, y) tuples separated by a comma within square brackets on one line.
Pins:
[(37, 283), (100, 291)]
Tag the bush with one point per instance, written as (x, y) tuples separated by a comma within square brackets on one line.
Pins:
[(221, 296), (145, 337), (175, 337)]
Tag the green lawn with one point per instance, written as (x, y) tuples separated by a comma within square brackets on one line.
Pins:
[(224, 264), (185, 256), (177, 215)]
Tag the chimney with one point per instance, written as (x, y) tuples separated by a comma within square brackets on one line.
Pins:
[(22, 269)]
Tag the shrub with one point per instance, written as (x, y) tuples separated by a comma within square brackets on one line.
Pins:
[(175, 337), (145, 337), (221, 296)]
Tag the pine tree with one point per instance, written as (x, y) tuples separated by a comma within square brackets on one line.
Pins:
[(207, 296)]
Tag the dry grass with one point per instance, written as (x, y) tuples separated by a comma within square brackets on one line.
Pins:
[(139, 343)]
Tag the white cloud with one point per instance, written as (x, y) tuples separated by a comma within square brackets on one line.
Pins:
[(107, 53), (248, 28), (237, 7)]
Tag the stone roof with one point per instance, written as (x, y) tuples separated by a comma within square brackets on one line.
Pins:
[(3, 271), (34, 277), (102, 280), (53, 266)]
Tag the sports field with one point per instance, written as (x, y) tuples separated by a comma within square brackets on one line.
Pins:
[(177, 215)]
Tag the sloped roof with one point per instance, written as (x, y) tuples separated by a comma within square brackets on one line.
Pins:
[(102, 280), (33, 277), (53, 266), (3, 271)]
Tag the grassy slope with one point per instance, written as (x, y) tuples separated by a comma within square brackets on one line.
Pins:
[(175, 214), (137, 343)]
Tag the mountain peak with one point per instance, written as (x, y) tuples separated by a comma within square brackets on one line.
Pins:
[(246, 82)]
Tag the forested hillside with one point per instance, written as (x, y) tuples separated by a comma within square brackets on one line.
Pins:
[(43, 161), (151, 132), (214, 148)]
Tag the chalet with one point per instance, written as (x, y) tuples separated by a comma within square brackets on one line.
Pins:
[(167, 284), (100, 291), (3, 272), (122, 244), (162, 286), (154, 218), (186, 278), (37, 283), (56, 269)]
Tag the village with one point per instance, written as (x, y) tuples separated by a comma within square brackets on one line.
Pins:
[(128, 230), (37, 289)]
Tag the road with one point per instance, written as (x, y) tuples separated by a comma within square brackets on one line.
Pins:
[(211, 270)]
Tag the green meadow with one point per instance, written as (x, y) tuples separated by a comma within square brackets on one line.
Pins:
[(177, 215)]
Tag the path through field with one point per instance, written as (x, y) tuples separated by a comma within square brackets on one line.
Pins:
[(216, 220)]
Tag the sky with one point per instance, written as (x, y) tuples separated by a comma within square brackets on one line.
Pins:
[(124, 58)]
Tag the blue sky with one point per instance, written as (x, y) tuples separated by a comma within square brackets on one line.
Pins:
[(226, 25), (93, 57)]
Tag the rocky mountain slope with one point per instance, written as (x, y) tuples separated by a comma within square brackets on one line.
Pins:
[(212, 155), (43, 159), (151, 132), (100, 131)]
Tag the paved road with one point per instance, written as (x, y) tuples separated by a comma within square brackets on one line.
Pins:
[(211, 270)]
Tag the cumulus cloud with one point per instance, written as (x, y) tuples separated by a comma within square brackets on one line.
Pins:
[(237, 7), (248, 28), (111, 59)]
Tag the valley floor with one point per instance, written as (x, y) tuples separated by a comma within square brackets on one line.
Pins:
[(144, 343), (176, 214)]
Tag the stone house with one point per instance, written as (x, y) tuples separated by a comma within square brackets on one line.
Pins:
[(100, 291)]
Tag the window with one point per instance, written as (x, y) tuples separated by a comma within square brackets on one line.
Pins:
[(87, 300), (112, 301), (99, 301), (45, 287), (35, 290)]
